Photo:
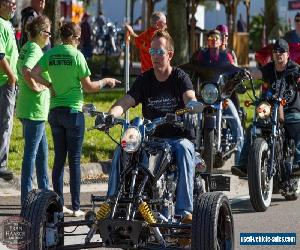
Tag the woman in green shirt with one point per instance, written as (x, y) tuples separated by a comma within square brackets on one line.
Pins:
[(69, 75), (32, 107)]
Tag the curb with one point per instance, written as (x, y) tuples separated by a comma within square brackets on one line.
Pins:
[(90, 173)]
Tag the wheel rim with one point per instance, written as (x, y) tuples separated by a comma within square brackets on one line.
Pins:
[(49, 219), (225, 238)]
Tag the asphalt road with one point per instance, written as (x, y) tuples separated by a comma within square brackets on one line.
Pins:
[(282, 217)]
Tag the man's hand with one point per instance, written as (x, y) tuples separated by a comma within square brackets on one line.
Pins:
[(109, 81), (130, 29)]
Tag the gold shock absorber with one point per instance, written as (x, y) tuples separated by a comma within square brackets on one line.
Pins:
[(103, 211), (147, 214)]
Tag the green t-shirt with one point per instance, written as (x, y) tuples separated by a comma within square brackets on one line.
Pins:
[(8, 46), (66, 66), (30, 104)]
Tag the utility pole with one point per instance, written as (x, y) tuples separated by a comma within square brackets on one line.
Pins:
[(127, 53)]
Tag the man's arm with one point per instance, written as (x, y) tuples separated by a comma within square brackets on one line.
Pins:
[(133, 35), (188, 96), (4, 65), (122, 105)]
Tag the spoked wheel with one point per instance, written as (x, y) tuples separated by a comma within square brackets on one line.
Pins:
[(43, 210), (212, 226), (260, 185)]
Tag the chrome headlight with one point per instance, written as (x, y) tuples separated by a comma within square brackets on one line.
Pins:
[(131, 140), (210, 93), (263, 110)]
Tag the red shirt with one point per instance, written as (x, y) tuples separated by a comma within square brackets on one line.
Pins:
[(143, 43)]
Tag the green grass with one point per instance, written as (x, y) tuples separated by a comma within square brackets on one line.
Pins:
[(97, 145)]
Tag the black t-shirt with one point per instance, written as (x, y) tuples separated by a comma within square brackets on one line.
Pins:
[(287, 80), (159, 98)]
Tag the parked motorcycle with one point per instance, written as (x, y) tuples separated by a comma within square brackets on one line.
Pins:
[(271, 154), (141, 213), (214, 85), (108, 39)]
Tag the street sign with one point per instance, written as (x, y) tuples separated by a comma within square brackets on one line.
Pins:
[(294, 5)]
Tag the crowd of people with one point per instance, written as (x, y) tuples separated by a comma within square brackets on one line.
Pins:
[(51, 85), (51, 81)]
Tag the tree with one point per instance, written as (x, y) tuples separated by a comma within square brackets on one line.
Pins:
[(271, 16), (177, 26), (52, 10)]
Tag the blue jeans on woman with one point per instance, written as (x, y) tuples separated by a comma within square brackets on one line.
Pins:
[(35, 155), (184, 153), (67, 128)]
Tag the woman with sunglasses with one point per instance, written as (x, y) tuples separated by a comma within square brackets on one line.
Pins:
[(224, 45), (32, 107), (70, 76)]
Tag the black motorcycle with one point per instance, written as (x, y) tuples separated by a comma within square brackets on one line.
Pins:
[(140, 215), (214, 86), (271, 154)]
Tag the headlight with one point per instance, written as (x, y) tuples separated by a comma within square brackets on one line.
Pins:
[(209, 93), (131, 140), (263, 110)]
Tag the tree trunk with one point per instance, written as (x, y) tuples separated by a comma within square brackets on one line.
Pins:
[(271, 15), (52, 10), (177, 28)]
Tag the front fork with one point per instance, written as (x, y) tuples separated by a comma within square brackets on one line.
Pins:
[(274, 135)]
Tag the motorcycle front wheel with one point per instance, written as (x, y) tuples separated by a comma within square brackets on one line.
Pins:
[(260, 186)]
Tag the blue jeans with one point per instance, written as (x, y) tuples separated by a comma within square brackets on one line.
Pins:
[(7, 104), (184, 153), (35, 155), (68, 132), (236, 128)]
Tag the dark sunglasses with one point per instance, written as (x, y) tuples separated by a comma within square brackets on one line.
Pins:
[(297, 20), (279, 51), (159, 52), (47, 32)]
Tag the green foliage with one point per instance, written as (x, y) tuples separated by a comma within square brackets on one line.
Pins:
[(256, 31), (96, 146), (97, 62)]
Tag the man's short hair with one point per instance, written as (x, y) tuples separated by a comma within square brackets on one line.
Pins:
[(165, 34), (156, 16), (297, 15)]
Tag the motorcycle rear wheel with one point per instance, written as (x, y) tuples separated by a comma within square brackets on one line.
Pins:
[(260, 189), (212, 226), (38, 209)]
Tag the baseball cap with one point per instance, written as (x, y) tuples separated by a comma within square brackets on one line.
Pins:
[(281, 45), (222, 28)]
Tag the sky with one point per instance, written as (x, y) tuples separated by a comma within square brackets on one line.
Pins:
[(115, 11)]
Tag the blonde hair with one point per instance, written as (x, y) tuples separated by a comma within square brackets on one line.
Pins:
[(164, 34)]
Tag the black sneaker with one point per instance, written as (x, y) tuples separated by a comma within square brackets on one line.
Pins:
[(239, 171), (6, 174)]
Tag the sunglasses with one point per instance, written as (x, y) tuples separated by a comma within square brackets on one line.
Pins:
[(279, 51), (159, 52), (47, 32), (297, 20), (213, 37)]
